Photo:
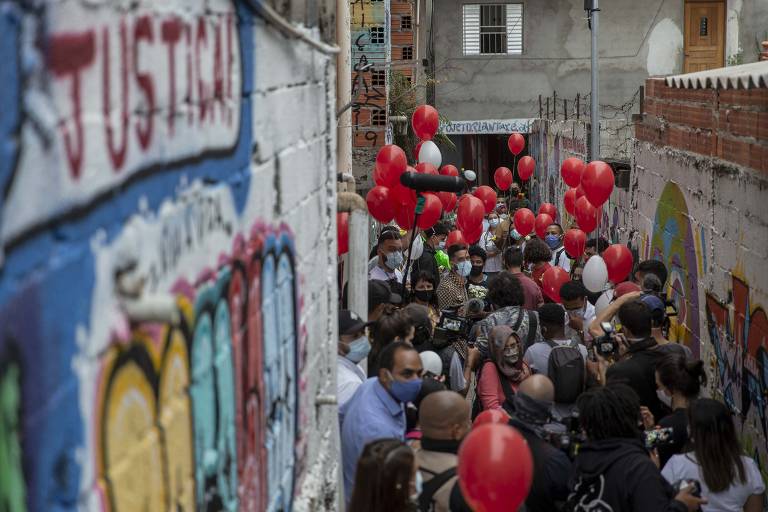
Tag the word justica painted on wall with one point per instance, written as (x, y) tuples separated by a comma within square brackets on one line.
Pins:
[(150, 352)]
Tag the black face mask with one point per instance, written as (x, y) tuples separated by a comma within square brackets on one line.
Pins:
[(424, 295), (476, 270)]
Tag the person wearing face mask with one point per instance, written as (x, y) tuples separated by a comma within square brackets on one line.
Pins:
[(444, 417), (488, 242), (353, 347), (424, 295), (477, 282), (500, 377), (554, 240), (537, 256), (452, 291), (434, 240), (390, 257), (580, 312), (517, 199), (393, 325), (551, 467), (377, 409)]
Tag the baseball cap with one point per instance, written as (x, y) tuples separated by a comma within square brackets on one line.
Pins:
[(625, 288), (431, 362), (350, 322), (379, 292), (653, 303)]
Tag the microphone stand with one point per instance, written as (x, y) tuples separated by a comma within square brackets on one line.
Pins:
[(417, 211)]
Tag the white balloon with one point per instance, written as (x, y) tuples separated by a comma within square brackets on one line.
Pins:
[(470, 175), (603, 301), (595, 275), (429, 153)]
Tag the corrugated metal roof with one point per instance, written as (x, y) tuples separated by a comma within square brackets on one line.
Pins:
[(745, 76)]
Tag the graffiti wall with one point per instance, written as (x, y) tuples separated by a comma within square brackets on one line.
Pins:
[(153, 297)]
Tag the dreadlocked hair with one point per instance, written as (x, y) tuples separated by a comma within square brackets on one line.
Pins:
[(610, 412)]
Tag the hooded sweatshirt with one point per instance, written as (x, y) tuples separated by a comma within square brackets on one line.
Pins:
[(616, 475)]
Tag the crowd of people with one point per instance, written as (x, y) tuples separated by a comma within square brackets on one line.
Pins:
[(612, 412)]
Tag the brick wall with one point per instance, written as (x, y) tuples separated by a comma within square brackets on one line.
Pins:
[(728, 124), (167, 291)]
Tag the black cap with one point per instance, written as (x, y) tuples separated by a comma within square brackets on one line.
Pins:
[(350, 322), (379, 292)]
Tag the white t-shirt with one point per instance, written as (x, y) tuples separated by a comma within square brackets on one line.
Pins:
[(684, 466), (349, 377), (560, 259), (492, 264)]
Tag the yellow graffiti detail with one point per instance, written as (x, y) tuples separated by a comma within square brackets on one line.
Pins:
[(132, 443)]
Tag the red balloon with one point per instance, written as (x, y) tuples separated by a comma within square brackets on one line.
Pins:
[(488, 196), (552, 280), (416, 150), (503, 178), (404, 216), (516, 143), (455, 237), (618, 259), (586, 215), (597, 182), (426, 168), (449, 170), (471, 212), (571, 171), (549, 209), (391, 162), (433, 208), (380, 204), (448, 200), (525, 168), (543, 221), (569, 201), (425, 122), (474, 234), (524, 221), (495, 468), (574, 241), (342, 232), (402, 195), (491, 416), (579, 192)]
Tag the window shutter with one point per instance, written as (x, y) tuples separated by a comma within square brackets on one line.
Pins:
[(471, 29), (514, 28)]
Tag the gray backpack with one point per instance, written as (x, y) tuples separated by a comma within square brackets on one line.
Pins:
[(566, 370)]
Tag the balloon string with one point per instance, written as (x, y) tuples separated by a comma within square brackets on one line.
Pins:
[(414, 230)]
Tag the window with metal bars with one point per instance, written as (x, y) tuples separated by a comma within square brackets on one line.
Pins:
[(408, 53), (379, 118), (378, 79), (405, 23), (492, 29), (377, 35)]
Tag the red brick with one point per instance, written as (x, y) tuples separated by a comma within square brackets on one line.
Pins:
[(369, 137), (401, 8), (402, 37), (745, 97), (735, 151), (762, 126)]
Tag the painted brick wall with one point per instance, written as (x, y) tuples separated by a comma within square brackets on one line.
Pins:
[(693, 207), (168, 286)]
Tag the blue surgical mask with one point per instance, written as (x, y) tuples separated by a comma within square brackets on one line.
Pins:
[(515, 235), (464, 268), (405, 391), (394, 259), (552, 241), (441, 245), (493, 222), (359, 349)]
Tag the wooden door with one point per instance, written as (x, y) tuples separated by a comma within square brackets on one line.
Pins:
[(704, 36)]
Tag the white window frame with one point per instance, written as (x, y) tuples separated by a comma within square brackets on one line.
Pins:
[(471, 29)]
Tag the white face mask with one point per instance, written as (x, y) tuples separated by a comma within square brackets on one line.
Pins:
[(493, 222), (664, 398)]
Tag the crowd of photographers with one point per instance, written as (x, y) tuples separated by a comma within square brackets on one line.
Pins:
[(612, 411)]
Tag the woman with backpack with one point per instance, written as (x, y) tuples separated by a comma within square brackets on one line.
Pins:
[(503, 373), (729, 480)]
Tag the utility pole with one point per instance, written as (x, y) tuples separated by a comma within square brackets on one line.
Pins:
[(594, 14)]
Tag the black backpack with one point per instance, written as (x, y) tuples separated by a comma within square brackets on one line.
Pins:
[(566, 370), (426, 503)]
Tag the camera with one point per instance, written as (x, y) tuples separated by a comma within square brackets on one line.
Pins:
[(606, 345), (657, 437), (450, 328), (684, 484), (565, 434)]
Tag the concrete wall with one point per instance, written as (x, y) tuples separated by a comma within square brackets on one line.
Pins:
[(167, 293), (747, 25), (637, 39), (701, 209)]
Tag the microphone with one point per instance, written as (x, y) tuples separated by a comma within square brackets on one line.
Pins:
[(432, 183)]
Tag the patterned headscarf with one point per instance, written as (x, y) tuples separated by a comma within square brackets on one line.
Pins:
[(516, 371)]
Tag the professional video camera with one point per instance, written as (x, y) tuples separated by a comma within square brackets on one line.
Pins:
[(652, 286), (450, 328), (607, 345), (565, 434)]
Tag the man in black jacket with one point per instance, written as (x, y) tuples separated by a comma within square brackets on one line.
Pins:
[(551, 467), (613, 471), (434, 239)]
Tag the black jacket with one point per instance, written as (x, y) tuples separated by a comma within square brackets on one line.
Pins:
[(616, 475), (426, 263), (637, 370)]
